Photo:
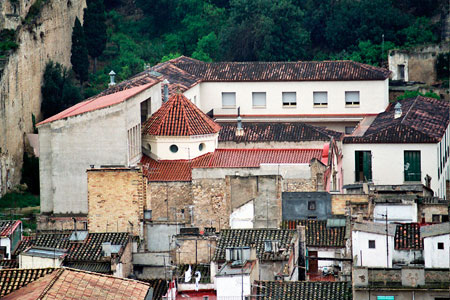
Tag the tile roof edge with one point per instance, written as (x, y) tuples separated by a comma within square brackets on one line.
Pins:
[(51, 283), (105, 275), (90, 100)]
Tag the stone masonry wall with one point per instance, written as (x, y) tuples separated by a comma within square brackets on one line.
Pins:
[(50, 38), (339, 202), (195, 250), (170, 201), (116, 200)]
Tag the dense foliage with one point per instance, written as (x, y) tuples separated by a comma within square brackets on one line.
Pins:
[(145, 32), (79, 57), (95, 28), (58, 90), (7, 41)]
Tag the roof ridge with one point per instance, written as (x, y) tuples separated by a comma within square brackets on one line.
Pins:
[(51, 283), (410, 107), (104, 275)]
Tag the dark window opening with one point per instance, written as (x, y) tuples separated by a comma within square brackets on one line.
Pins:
[(311, 205), (436, 218), (401, 72), (412, 166), (145, 109), (440, 246), (371, 244), (363, 166)]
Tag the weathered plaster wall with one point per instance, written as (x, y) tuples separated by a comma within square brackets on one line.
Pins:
[(116, 199), (340, 202), (194, 249), (20, 83), (170, 201)]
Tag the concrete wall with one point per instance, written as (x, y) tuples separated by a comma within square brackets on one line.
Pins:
[(160, 236), (116, 198), (373, 97), (243, 216), (397, 212), (428, 210), (434, 257), (233, 286), (371, 257), (34, 262), (388, 162), (267, 204), (194, 249), (406, 256), (70, 146), (295, 205)]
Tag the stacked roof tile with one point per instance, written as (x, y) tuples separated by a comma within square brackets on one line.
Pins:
[(283, 71), (303, 290), (7, 227), (13, 279), (423, 120), (317, 232), (277, 132), (181, 170), (89, 250), (74, 284), (179, 117), (407, 237), (8, 264), (229, 238)]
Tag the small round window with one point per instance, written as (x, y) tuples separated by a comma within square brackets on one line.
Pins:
[(149, 147), (201, 146), (174, 148)]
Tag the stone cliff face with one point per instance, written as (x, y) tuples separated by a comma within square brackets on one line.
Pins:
[(49, 38)]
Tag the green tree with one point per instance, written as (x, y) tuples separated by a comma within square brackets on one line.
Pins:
[(95, 29), (420, 32), (412, 94), (79, 57), (207, 48), (30, 173), (58, 91), (265, 30)]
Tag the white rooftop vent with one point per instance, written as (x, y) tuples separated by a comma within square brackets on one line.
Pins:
[(112, 75), (398, 110)]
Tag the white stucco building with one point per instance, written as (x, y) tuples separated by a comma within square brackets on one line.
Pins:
[(372, 246), (335, 94), (406, 144), (103, 130), (436, 243)]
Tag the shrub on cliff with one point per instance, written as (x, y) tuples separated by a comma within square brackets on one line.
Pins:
[(79, 57), (58, 90)]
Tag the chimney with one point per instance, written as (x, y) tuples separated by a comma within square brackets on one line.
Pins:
[(166, 90), (112, 75), (106, 248), (239, 129), (398, 110)]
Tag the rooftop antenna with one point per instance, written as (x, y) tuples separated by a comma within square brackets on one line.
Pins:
[(166, 90), (112, 76)]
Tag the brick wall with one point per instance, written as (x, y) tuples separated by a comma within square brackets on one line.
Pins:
[(116, 198), (340, 202)]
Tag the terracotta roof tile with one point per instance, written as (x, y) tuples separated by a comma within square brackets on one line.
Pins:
[(7, 227), (13, 279), (179, 117), (407, 237), (423, 120), (317, 232), (98, 102), (181, 170), (245, 237), (8, 264), (279, 132), (74, 284), (303, 290), (283, 71)]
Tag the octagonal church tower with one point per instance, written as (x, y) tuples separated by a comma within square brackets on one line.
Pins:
[(179, 130)]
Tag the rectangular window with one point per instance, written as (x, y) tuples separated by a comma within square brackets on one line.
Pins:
[(228, 100), (436, 218), (401, 72), (371, 244), (352, 98), (145, 109), (311, 205), (134, 141), (289, 99), (320, 98), (259, 99), (412, 166), (440, 246), (363, 166)]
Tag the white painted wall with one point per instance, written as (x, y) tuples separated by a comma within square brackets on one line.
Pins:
[(34, 262), (404, 213), (396, 58), (435, 258), (6, 242), (231, 286), (188, 147), (443, 166), (371, 257), (373, 97), (325, 252), (242, 217), (406, 256), (68, 147), (388, 162)]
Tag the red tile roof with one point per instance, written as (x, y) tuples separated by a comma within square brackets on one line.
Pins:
[(73, 284), (283, 71), (407, 237), (13, 279), (99, 102), (7, 227), (179, 117), (423, 120), (181, 170)]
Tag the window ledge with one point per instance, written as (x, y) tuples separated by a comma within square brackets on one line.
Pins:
[(228, 107), (320, 106), (352, 105), (289, 106), (258, 107)]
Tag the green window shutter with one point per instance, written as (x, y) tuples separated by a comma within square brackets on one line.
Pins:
[(367, 160), (412, 166)]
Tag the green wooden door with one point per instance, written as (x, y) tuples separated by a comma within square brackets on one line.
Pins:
[(363, 166), (412, 166)]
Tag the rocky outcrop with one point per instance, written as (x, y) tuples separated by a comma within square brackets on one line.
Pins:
[(46, 38)]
